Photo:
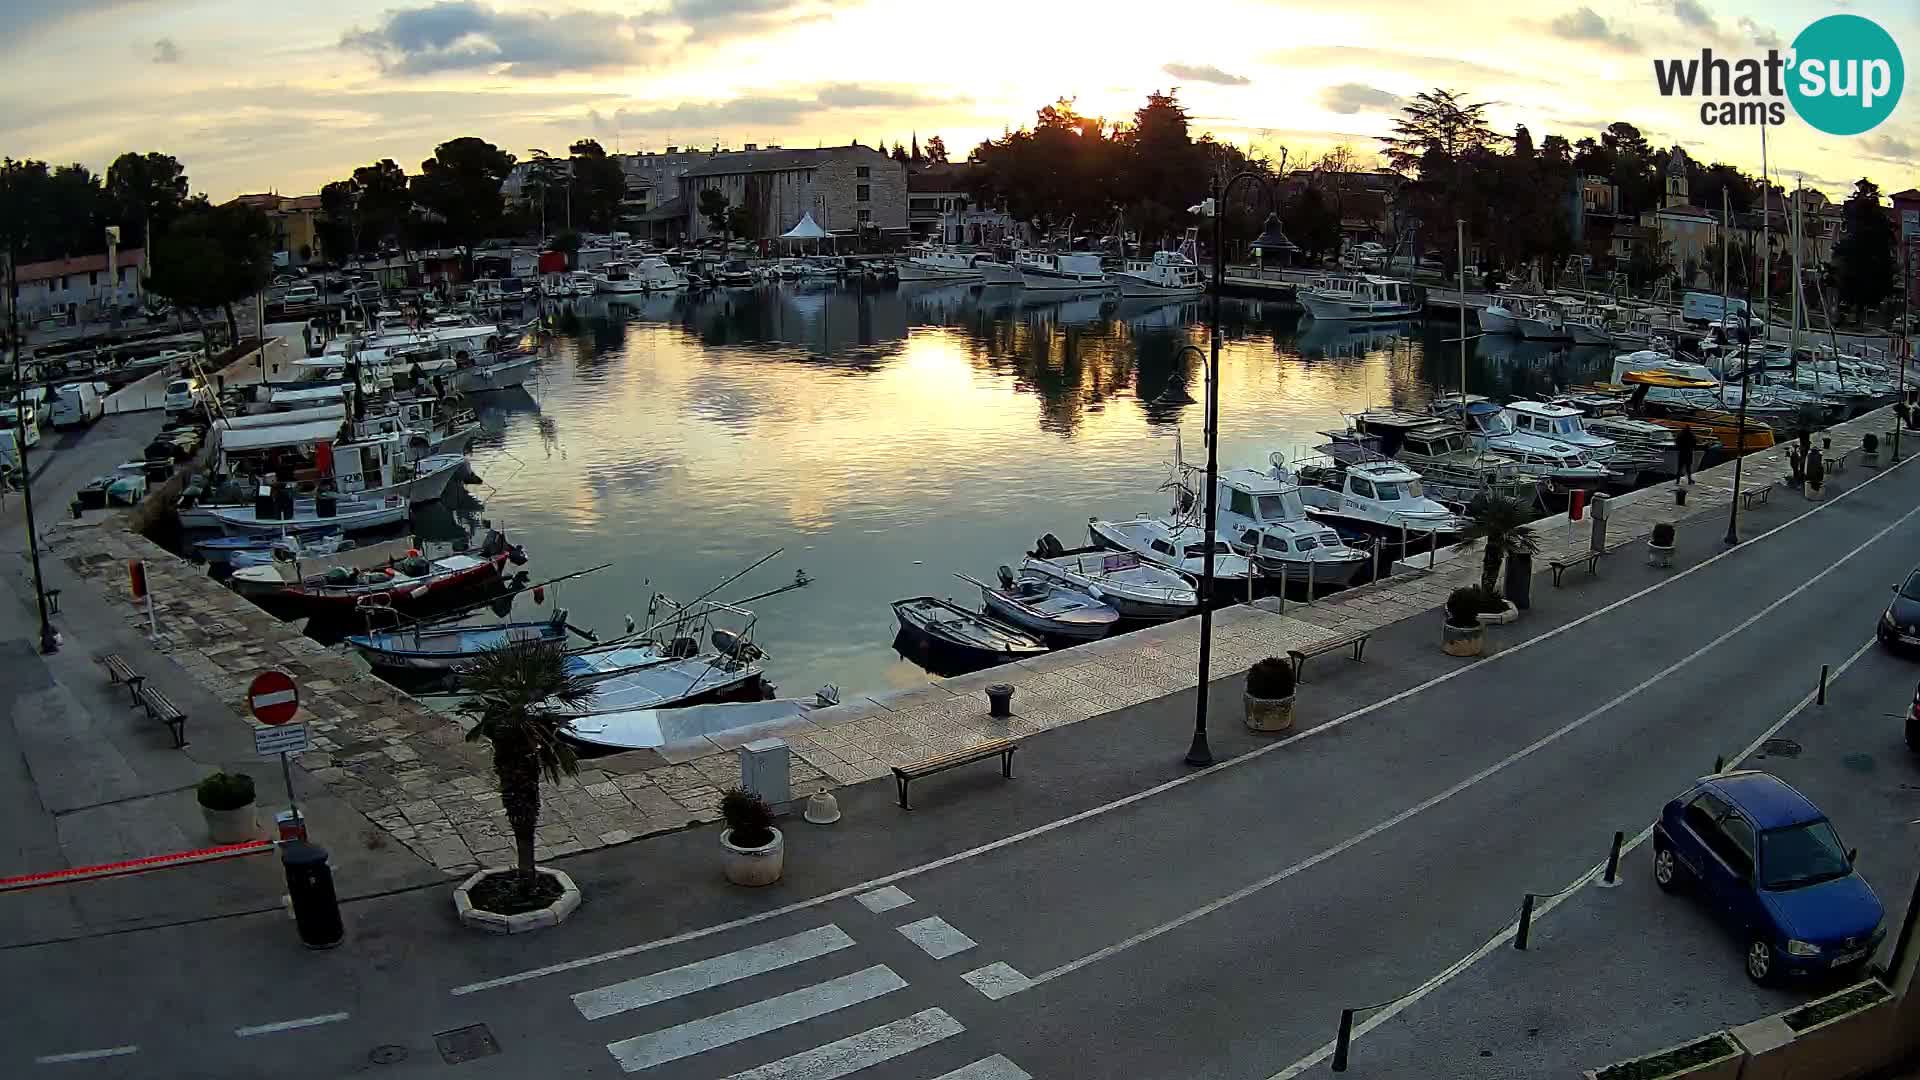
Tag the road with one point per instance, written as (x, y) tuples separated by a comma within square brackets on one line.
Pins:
[(1209, 925)]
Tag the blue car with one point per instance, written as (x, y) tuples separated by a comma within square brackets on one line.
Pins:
[(1772, 868)]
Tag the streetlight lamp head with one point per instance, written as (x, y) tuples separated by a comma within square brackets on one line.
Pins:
[(1204, 209)]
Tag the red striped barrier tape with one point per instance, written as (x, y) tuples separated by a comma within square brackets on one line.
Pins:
[(134, 866)]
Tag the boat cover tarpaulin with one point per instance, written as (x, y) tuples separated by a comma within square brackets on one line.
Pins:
[(245, 439)]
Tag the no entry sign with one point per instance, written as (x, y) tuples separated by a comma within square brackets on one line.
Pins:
[(273, 697)]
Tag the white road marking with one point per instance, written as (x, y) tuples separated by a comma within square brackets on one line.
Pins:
[(758, 1018), (937, 937), (717, 971), (1506, 935), (289, 1025), (85, 1055), (997, 981), (886, 899), (993, 1068), (856, 1052), (1159, 789)]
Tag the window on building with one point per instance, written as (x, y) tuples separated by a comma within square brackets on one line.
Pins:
[(863, 216), (863, 193), (93, 277), (63, 283), (861, 172)]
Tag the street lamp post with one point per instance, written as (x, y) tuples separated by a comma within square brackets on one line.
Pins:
[(1200, 755), (1740, 423), (49, 642)]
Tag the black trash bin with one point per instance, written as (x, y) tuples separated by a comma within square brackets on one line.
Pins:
[(1519, 583), (316, 911)]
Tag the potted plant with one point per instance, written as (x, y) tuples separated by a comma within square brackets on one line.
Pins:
[(756, 852), (1270, 695), (1502, 523), (1660, 545), (1816, 478), (1870, 448), (517, 696), (226, 801), (1462, 633)]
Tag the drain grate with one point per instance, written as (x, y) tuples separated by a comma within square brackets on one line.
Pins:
[(1858, 762), (390, 1054), (465, 1044), (1779, 748)]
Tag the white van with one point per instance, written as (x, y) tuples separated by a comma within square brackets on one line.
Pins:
[(1703, 307), (184, 394), (10, 448), (301, 294), (77, 405)]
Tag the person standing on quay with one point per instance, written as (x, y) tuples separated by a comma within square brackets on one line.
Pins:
[(1683, 446)]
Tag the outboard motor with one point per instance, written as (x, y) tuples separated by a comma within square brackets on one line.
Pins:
[(1006, 577)]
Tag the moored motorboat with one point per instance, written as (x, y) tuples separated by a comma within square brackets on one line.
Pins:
[(1177, 545), (1359, 296), (1135, 588), (1378, 498), (411, 585), (1040, 605), (438, 649), (687, 725), (964, 635), (322, 512)]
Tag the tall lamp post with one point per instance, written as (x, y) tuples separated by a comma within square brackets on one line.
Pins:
[(1200, 755), (1740, 424), (49, 643)]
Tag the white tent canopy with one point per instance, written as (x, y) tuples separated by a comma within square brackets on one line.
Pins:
[(808, 229)]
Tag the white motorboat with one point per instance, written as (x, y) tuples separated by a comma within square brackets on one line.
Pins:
[(1177, 545), (687, 726), (1561, 424), (616, 278), (1564, 464), (1040, 605), (999, 273), (942, 262), (1049, 271), (344, 515), (1381, 498), (1498, 316), (1359, 296), (1439, 451), (377, 469), (641, 675), (1169, 274), (1265, 519), (503, 373), (1136, 589)]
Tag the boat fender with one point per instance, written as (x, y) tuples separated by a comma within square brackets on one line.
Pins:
[(539, 594)]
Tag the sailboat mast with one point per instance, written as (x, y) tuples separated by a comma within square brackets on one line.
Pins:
[(1766, 235), (1460, 248)]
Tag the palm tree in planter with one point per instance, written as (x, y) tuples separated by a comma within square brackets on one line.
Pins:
[(1504, 529), (1660, 545), (1270, 695), (517, 696), (755, 850)]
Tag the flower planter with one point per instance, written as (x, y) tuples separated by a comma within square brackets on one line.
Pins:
[(1824, 1037), (1658, 555), (1462, 640), (1500, 618), (553, 913), (1269, 715), (754, 867), (1812, 493), (232, 826), (1715, 1057)]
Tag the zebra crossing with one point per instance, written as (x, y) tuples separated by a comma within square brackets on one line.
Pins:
[(686, 1041)]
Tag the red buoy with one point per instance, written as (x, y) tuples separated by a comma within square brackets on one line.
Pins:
[(539, 594)]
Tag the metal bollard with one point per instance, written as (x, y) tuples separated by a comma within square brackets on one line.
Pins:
[(1343, 1040), (1312, 564), (1000, 701), (1526, 923), (1719, 764), (1823, 684), (316, 911), (1612, 876)]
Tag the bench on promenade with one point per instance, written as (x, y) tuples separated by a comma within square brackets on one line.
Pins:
[(119, 671), (1762, 494), (166, 712), (1000, 748), (1356, 640), (1561, 566)]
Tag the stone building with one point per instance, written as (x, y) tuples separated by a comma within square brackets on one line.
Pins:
[(847, 189), (295, 220), (1687, 229), (82, 289)]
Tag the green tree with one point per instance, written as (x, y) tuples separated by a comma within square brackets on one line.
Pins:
[(1313, 224), (517, 696), (1503, 528), (598, 186), (146, 190), (936, 150), (743, 223), (212, 258), (1649, 261), (713, 207), (1863, 257), (1436, 121), (460, 186), (385, 201), (567, 243)]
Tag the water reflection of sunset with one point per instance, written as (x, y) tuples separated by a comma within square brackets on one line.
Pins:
[(887, 440)]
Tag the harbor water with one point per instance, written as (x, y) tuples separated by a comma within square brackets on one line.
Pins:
[(885, 439)]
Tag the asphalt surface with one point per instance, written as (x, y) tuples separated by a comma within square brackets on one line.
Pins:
[(1178, 925)]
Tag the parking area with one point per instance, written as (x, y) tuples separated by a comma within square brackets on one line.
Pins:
[(1615, 973)]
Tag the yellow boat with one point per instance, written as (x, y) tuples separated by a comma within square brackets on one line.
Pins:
[(1717, 424)]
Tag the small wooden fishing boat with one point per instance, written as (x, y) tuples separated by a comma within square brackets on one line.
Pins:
[(962, 634), (1175, 545), (346, 515), (410, 585), (653, 729), (445, 648), (1136, 589), (1042, 606)]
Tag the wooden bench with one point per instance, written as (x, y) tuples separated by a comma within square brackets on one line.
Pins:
[(159, 708), (1000, 748), (119, 671), (1358, 640), (1762, 494), (1561, 566)]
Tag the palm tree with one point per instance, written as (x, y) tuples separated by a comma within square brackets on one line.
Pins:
[(1503, 525), (517, 695)]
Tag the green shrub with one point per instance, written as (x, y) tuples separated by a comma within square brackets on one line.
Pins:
[(1870, 443), (748, 817), (1271, 678), (1465, 604), (1711, 1048), (226, 791), (1663, 534)]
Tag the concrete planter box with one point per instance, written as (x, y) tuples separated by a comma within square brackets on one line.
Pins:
[(1724, 1066), (1500, 618), (232, 826), (552, 915), (1853, 1043), (1659, 556), (754, 867), (1462, 640), (1269, 716), (1813, 494)]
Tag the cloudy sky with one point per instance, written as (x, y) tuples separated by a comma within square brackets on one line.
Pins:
[(288, 95)]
